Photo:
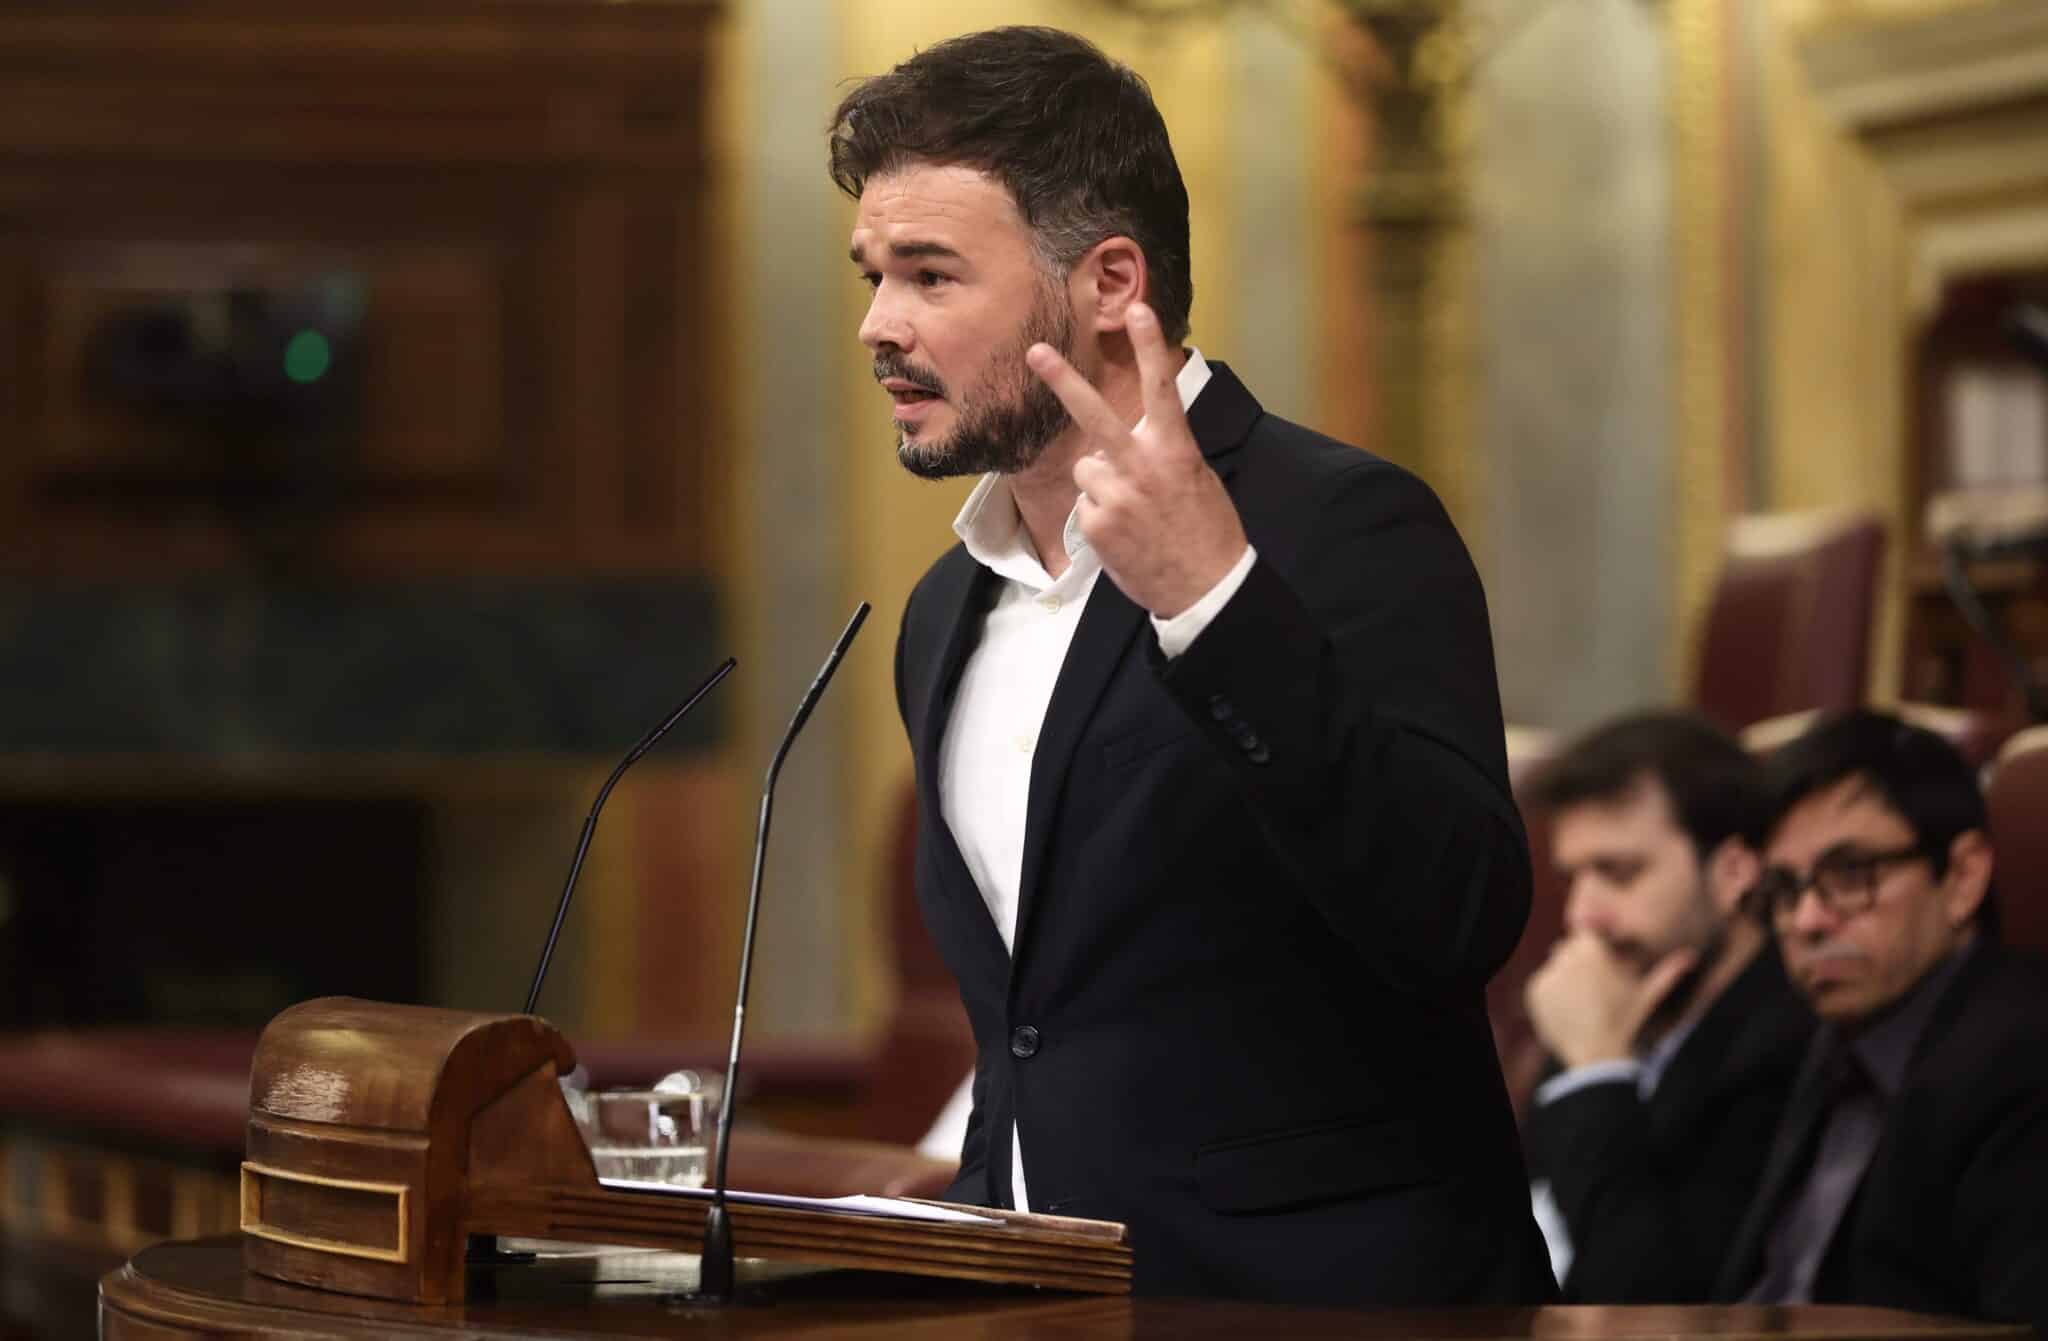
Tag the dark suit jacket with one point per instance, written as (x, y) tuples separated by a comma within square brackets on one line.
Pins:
[(1952, 1213), (1263, 888), (1652, 1191)]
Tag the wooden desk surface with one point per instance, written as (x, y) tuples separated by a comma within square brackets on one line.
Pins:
[(198, 1288)]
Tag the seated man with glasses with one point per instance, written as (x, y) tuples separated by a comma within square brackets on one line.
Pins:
[(1911, 1166)]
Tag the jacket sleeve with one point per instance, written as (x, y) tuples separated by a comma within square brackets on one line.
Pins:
[(902, 703), (1648, 1224), (1355, 698), (2001, 1229)]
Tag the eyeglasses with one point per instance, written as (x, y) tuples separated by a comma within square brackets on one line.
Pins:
[(1845, 880)]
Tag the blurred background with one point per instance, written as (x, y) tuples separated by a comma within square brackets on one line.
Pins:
[(402, 406)]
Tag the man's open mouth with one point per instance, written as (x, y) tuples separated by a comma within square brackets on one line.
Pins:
[(907, 393)]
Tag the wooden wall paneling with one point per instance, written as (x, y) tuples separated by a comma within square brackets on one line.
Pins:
[(702, 414), (594, 229), (686, 943), (511, 183), (15, 371), (434, 379), (445, 429), (650, 439)]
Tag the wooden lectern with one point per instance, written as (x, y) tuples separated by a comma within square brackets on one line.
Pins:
[(381, 1137)]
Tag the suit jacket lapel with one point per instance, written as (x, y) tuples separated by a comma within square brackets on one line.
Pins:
[(965, 597), (1791, 1152), (1111, 625), (1721, 1045), (1222, 417)]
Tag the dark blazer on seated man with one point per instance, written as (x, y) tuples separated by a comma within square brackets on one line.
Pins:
[(1911, 1167), (1652, 1187), (1952, 1212), (1264, 886)]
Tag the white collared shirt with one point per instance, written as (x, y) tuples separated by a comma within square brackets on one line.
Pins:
[(992, 735)]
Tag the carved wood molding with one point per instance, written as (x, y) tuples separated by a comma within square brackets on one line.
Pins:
[(1936, 66), (1953, 106)]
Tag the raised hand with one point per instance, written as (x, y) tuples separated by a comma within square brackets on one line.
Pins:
[(1588, 1005), (1153, 511)]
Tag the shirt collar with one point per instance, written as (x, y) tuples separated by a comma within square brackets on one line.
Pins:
[(993, 531), (1886, 1045), (1656, 1058)]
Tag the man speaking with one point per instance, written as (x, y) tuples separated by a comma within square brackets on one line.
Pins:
[(1214, 824)]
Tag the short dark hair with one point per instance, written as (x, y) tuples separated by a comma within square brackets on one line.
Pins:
[(1921, 777), (1716, 787), (1072, 135)]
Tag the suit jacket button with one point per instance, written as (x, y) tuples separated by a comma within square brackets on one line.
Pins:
[(1220, 709), (1023, 1042), (1257, 752)]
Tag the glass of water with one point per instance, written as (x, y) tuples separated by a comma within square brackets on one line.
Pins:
[(646, 1136)]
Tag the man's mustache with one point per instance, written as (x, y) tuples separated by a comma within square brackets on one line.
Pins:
[(901, 368), (1831, 950)]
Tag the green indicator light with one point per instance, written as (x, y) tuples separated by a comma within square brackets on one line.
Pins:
[(307, 357)]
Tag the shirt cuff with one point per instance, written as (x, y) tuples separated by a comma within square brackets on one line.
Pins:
[(1178, 634), (1579, 1077)]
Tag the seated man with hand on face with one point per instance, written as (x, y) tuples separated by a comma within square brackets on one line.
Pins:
[(1911, 1166), (1666, 1007)]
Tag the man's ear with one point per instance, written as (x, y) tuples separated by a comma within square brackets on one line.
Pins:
[(1969, 876), (1107, 281), (1732, 871)]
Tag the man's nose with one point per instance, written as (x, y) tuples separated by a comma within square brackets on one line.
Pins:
[(1811, 915), (884, 324), (1583, 909)]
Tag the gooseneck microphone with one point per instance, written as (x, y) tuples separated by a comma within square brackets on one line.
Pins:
[(715, 1281), (647, 742)]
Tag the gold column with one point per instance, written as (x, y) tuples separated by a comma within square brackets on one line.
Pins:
[(1409, 73), (1415, 212), (1701, 422)]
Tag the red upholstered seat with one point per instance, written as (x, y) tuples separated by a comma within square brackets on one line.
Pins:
[(182, 1091), (2018, 799), (1789, 624)]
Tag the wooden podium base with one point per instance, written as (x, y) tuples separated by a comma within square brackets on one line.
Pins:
[(200, 1289)]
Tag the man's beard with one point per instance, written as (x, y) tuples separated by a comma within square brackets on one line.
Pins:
[(1687, 989), (1002, 425)]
